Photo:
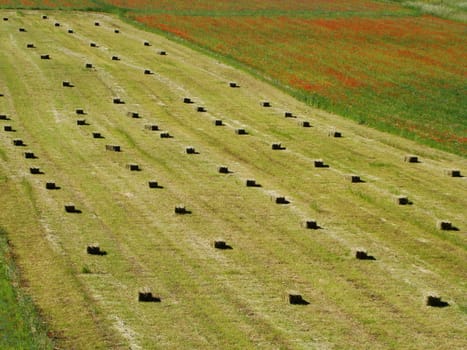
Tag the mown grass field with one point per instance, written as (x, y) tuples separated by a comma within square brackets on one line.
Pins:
[(213, 299)]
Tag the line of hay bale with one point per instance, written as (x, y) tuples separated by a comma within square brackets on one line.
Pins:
[(319, 163), (251, 183), (88, 65), (281, 200), (289, 115), (187, 100), (22, 30), (80, 111)]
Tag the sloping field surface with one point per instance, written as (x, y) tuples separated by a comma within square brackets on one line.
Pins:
[(213, 298)]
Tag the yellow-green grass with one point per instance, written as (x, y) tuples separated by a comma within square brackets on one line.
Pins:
[(214, 299)]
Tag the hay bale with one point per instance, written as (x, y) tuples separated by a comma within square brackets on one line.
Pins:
[(29, 155), (88, 65), (94, 249), (18, 142), (152, 127), (241, 132), (66, 84), (218, 122), (145, 295), (200, 109), (153, 184), (57, 24), (277, 146), (289, 115), (35, 170), (112, 148), (165, 135), (223, 170), (435, 301), (146, 43), (93, 44), (133, 115), (411, 158), (233, 85), (8, 128), (444, 225), (163, 53), (5, 19), (187, 100), (70, 31), (251, 183), (97, 135), (4, 117), (116, 31), (23, 30), (311, 224), (296, 298), (147, 71), (281, 200), (45, 57), (362, 255), (335, 133), (401, 200), (44, 17), (50, 186), (80, 111), (81, 122), (220, 244), (30, 46), (118, 101), (115, 58), (190, 150), (180, 209), (353, 178), (265, 104), (305, 124), (133, 167), (319, 163), (70, 208), (453, 172), (97, 24)]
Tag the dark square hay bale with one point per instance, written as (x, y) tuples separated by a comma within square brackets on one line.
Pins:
[(29, 155), (146, 43), (93, 44), (34, 170), (233, 85), (145, 295), (44, 17), (45, 57), (402, 200), (18, 142), (435, 302), (453, 172), (112, 148), (353, 178), (306, 124), (311, 224), (288, 115), (187, 100), (22, 30), (362, 255), (115, 58), (165, 135), (88, 65), (8, 128), (4, 117), (81, 122), (281, 200), (153, 184), (223, 170), (296, 299), (116, 31), (70, 31), (147, 71), (241, 132), (218, 122), (334, 133), (56, 24), (118, 101), (133, 167), (411, 159), (51, 186), (266, 104), (200, 109), (277, 146), (30, 46), (163, 53)]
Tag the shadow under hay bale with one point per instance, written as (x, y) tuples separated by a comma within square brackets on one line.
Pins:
[(30, 155), (4, 117), (154, 184), (97, 135), (435, 302), (148, 72), (305, 124), (23, 30), (187, 100), (319, 163), (8, 128), (296, 299), (45, 57), (191, 150), (36, 171), (133, 167), (201, 109), (453, 173), (18, 142), (165, 135), (70, 31), (88, 65), (133, 115), (411, 159), (92, 44), (57, 24), (241, 132), (81, 122), (218, 122), (163, 53), (281, 200), (112, 148), (115, 58), (145, 295), (180, 209), (289, 115), (152, 127), (51, 186), (334, 133), (312, 225), (5, 19), (80, 111), (234, 85), (97, 24), (70, 208), (277, 146), (402, 200), (116, 31), (222, 245), (445, 225), (44, 17), (67, 84), (94, 249), (252, 183), (362, 255), (30, 46), (118, 101), (147, 43), (265, 104), (224, 170), (354, 178)]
